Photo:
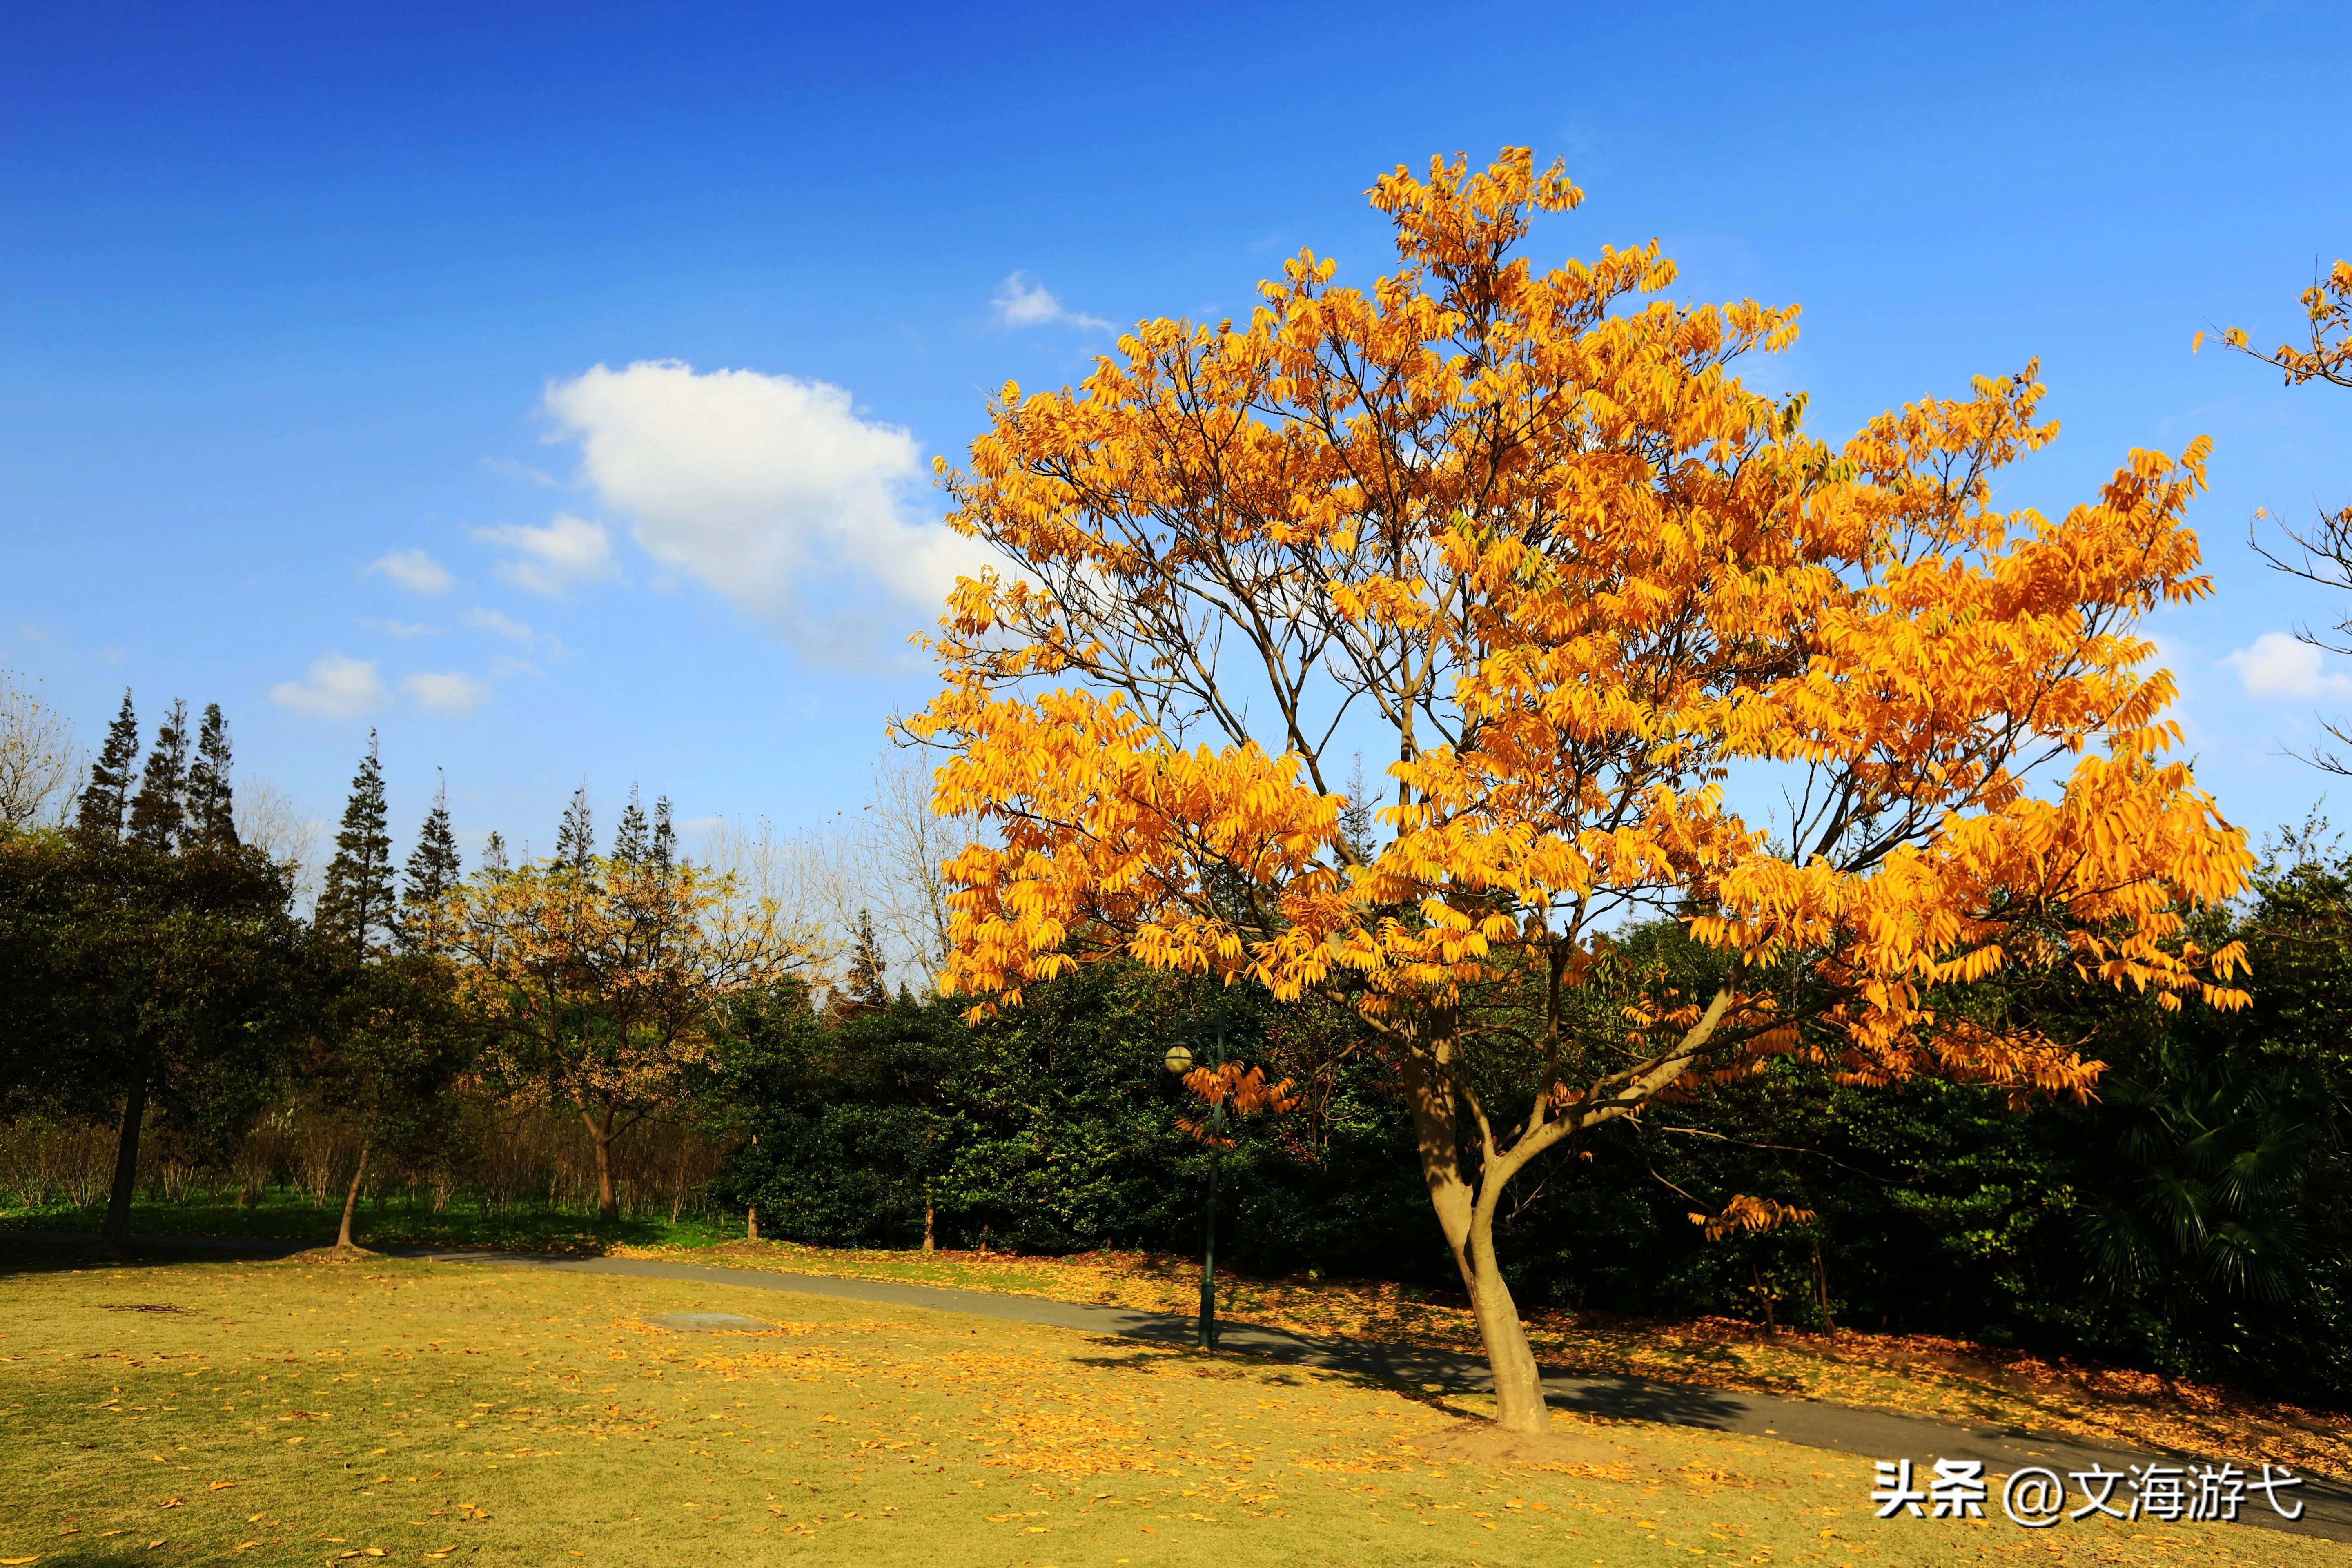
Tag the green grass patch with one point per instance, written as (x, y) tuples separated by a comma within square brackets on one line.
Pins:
[(309, 1411)]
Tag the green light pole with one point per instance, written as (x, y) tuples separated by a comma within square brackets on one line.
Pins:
[(1179, 1061)]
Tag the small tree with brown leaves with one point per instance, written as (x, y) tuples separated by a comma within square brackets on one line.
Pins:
[(603, 983)]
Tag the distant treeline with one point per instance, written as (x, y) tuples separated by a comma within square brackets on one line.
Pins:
[(626, 1032)]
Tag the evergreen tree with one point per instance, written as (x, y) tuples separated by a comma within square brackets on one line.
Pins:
[(576, 836), (664, 835), (356, 903), (434, 869), (100, 814), (1357, 818), (160, 811), (212, 817), (862, 986), (631, 845), (494, 855)]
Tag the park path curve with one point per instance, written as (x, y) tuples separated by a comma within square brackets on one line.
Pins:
[(1843, 1429)]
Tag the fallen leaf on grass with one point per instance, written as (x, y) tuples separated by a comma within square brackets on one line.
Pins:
[(220, 1486), (16, 1562)]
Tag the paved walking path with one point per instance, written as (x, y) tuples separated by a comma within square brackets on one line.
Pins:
[(1872, 1434)]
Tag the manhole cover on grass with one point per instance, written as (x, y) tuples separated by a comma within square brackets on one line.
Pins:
[(707, 1323)]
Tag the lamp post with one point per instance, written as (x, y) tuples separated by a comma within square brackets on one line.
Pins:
[(1179, 1061)]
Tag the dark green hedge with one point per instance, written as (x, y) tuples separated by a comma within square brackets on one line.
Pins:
[(2196, 1219)]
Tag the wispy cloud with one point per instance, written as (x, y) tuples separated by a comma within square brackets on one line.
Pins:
[(521, 473), (451, 693), (2277, 665), (565, 552), (336, 688), (1022, 303), (404, 628), (414, 570), (498, 623)]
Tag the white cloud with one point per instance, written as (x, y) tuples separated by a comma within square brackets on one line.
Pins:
[(2279, 665), (404, 628), (498, 624), (762, 486), (1020, 303), (451, 692), (412, 570), (336, 688), (567, 550)]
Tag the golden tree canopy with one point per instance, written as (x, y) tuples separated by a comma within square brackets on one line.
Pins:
[(1605, 603)]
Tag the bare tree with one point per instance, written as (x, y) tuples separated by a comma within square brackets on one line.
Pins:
[(38, 759), (2322, 554), (892, 857), (267, 818), (799, 876)]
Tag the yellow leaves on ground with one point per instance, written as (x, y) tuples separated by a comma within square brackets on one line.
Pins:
[(948, 1438), (1920, 1374)]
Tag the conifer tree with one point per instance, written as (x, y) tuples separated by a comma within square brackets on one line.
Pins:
[(866, 991), (576, 836), (212, 817), (160, 811), (356, 903), (433, 870), (102, 803), (665, 837), (632, 843), (494, 855)]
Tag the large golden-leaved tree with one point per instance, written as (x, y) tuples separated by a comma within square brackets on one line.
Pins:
[(1629, 643), (604, 983)]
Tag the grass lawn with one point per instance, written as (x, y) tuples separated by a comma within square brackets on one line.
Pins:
[(309, 1411), (1919, 1374), (1916, 1373)]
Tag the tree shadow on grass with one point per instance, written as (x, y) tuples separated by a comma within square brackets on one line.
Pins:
[(1141, 1361)]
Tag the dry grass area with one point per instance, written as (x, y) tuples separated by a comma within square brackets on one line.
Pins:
[(1919, 1374), (313, 1411)]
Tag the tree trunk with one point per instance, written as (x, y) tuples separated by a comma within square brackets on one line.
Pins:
[(751, 1223), (600, 1135), (927, 1227), (1468, 1219), (1518, 1382), (116, 1232), (352, 1198)]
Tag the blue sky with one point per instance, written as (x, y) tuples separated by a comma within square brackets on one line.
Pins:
[(301, 311)]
